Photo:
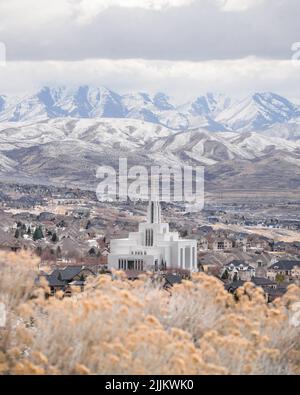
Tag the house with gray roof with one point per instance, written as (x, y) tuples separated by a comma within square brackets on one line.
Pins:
[(239, 270), (289, 270), (63, 279)]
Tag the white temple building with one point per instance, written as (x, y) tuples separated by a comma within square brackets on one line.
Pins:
[(153, 247)]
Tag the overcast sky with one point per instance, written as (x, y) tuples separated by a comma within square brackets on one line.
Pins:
[(183, 47)]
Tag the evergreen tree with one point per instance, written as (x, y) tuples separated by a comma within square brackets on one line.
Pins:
[(38, 234), (54, 238), (225, 275)]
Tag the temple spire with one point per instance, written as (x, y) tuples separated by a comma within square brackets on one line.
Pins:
[(154, 212)]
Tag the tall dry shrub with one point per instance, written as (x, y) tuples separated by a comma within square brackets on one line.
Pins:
[(118, 326), (17, 284)]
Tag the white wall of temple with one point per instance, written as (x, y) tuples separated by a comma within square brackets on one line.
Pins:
[(185, 256), (133, 262), (121, 246), (152, 245), (181, 254), (160, 232)]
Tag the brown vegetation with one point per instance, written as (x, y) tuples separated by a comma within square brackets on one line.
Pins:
[(122, 327)]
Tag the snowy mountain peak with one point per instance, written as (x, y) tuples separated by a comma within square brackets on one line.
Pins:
[(133, 100), (275, 101), (162, 102), (258, 111), (210, 104), (56, 102), (212, 111)]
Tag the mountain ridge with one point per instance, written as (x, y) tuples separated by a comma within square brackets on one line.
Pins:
[(213, 111), (69, 150)]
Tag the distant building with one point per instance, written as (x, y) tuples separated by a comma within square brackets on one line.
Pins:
[(239, 270), (203, 244), (279, 246), (265, 283), (289, 270), (153, 247), (222, 244), (271, 289), (63, 279)]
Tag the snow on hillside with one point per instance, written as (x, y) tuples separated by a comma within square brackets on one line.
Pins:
[(70, 149), (209, 104), (212, 111), (256, 144), (257, 112), (101, 132), (210, 148), (109, 133)]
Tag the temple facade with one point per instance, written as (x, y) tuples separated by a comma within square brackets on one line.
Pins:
[(153, 247)]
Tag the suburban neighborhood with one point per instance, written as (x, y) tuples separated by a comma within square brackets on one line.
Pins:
[(76, 236)]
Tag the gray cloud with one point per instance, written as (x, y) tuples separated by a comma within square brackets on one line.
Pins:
[(199, 31), (184, 47), (182, 80)]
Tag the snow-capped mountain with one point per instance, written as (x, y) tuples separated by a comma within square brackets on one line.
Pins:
[(207, 148), (69, 150), (82, 102), (257, 112), (63, 134), (209, 105), (203, 111), (213, 112), (102, 133)]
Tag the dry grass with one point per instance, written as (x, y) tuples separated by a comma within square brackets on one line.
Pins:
[(122, 327), (285, 235)]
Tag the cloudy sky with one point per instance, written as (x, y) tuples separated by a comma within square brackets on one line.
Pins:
[(183, 47)]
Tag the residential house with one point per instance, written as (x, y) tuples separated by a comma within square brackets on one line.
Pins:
[(8, 242), (271, 289), (288, 270), (258, 243), (203, 244), (63, 279), (278, 292), (222, 244), (267, 285), (279, 246), (240, 240), (239, 270), (171, 279)]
